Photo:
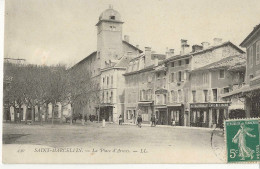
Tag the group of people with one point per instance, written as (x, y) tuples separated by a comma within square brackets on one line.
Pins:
[(140, 120)]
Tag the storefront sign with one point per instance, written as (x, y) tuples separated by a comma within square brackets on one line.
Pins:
[(205, 105), (199, 105), (218, 104)]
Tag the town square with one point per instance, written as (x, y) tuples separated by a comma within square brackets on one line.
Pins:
[(95, 78)]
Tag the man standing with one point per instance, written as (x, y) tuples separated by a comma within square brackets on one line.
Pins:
[(120, 119), (139, 121), (153, 121)]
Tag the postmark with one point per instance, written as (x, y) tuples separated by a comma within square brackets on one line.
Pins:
[(242, 140)]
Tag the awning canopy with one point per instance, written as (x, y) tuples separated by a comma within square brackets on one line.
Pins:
[(174, 105), (241, 92), (236, 106), (236, 92)]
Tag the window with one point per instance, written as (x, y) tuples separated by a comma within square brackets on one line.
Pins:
[(221, 74), (215, 94), (172, 64), (194, 96), (179, 96), (111, 80), (205, 95), (157, 99), (179, 62), (205, 78), (226, 90), (187, 61), (164, 98), (112, 17), (250, 55), (112, 28), (158, 74), (111, 97), (150, 78), (172, 96), (179, 76), (251, 76), (258, 52), (172, 77), (108, 80)]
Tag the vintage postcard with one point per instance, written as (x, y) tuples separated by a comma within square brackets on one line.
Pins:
[(151, 81)]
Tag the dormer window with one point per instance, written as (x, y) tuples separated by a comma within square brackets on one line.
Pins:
[(112, 17)]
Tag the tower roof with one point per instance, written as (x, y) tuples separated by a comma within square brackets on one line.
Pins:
[(110, 15)]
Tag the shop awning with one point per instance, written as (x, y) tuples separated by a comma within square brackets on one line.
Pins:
[(145, 102), (160, 106), (243, 90), (174, 105), (236, 106), (236, 92)]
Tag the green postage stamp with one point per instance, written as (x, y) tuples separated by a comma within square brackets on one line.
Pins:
[(242, 140)]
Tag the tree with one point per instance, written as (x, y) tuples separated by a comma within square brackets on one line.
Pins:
[(79, 88)]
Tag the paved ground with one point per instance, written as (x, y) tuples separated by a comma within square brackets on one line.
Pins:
[(195, 141)]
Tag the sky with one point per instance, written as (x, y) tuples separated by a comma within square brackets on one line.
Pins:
[(64, 32)]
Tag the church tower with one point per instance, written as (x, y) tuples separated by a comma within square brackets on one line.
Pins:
[(109, 38)]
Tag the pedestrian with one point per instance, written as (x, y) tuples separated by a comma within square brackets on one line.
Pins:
[(153, 119), (85, 118), (120, 119), (173, 122), (139, 121)]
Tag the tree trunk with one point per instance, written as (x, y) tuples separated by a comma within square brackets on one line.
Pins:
[(61, 114), (26, 111), (40, 113), (32, 119), (83, 115), (71, 116), (46, 112), (15, 113), (98, 114), (52, 113), (20, 113)]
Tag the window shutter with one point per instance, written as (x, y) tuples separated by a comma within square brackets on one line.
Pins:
[(209, 95)]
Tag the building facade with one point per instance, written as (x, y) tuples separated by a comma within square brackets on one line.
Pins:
[(207, 107), (160, 84), (250, 93), (106, 66)]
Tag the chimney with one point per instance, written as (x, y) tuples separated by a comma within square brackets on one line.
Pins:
[(126, 38), (184, 47), (205, 45), (196, 48), (171, 51), (217, 41), (148, 56)]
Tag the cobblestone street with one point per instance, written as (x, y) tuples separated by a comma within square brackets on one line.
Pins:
[(177, 141)]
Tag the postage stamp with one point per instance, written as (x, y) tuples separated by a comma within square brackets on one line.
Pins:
[(242, 140)]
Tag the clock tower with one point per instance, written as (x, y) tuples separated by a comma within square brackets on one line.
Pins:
[(109, 38)]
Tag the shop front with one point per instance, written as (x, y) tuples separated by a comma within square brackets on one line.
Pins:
[(161, 115), (146, 110), (176, 114), (106, 112), (208, 114)]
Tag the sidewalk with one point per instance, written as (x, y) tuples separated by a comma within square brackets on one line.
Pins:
[(181, 127)]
